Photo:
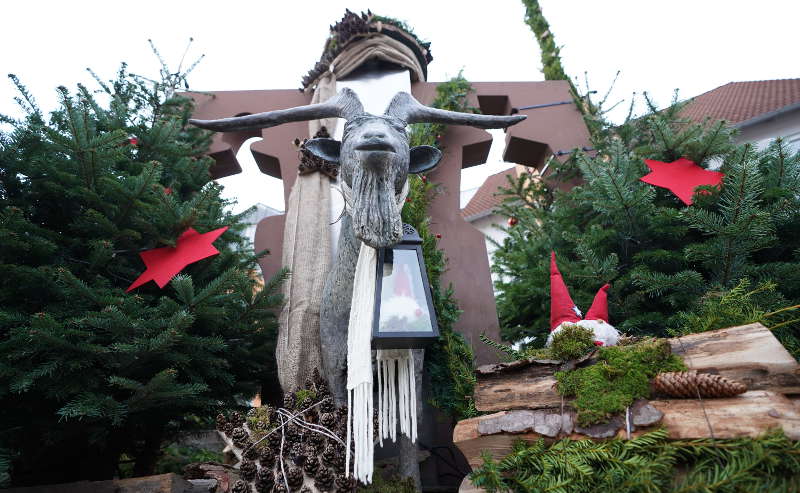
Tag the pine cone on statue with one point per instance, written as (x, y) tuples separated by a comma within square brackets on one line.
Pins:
[(293, 433), (221, 422), (275, 440), (689, 383), (288, 400), (328, 420), (237, 419), (228, 428), (330, 456), (311, 467), (265, 480), (324, 479), (240, 487), (298, 453), (317, 441), (248, 470), (294, 476), (327, 406), (266, 457), (251, 452), (239, 437), (345, 484)]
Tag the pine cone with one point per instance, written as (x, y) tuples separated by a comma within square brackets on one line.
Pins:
[(330, 456), (305, 489), (228, 428), (311, 466), (294, 476), (239, 437), (315, 374), (266, 457), (298, 453), (265, 480), (293, 433), (345, 484), (689, 383), (275, 440), (328, 420), (221, 422), (237, 419), (240, 487), (288, 400), (280, 487), (327, 406), (316, 440), (251, 452), (248, 469), (324, 479)]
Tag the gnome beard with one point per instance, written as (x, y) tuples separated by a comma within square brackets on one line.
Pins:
[(564, 311)]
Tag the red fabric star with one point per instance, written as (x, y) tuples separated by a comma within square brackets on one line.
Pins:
[(680, 177), (165, 262)]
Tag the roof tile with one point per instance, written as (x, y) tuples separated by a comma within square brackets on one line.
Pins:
[(738, 102)]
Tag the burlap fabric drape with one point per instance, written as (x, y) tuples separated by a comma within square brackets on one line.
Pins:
[(306, 236)]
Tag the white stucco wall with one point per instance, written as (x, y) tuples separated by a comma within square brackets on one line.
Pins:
[(786, 125)]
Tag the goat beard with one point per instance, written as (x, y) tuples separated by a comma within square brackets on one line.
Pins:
[(375, 212)]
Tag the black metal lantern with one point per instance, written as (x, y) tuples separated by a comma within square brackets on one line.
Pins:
[(404, 315)]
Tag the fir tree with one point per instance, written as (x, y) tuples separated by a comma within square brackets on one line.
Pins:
[(88, 372), (660, 256)]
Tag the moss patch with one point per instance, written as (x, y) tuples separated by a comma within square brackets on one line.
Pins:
[(571, 342), (622, 374)]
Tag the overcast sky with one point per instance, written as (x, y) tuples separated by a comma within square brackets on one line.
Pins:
[(659, 46)]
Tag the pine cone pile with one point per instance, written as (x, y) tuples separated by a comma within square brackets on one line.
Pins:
[(310, 460), (689, 383)]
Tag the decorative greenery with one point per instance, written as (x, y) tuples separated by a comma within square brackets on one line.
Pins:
[(303, 396), (650, 463), (740, 306), (450, 360), (175, 458), (571, 342), (621, 375), (389, 485), (88, 372)]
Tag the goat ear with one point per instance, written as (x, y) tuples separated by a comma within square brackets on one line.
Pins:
[(423, 159), (327, 149)]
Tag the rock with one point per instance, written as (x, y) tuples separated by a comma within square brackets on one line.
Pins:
[(644, 414), (545, 423), (568, 422), (602, 430)]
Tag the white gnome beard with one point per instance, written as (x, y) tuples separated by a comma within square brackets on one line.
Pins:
[(603, 331)]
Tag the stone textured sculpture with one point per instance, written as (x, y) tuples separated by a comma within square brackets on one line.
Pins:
[(374, 159)]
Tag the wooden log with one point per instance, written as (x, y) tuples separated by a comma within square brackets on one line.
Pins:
[(747, 415), (521, 385), (161, 483), (748, 353)]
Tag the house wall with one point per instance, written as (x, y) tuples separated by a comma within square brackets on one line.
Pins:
[(786, 125)]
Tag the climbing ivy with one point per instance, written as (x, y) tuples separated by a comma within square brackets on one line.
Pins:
[(450, 360)]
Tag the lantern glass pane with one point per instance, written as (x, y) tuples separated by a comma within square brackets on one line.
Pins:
[(403, 306)]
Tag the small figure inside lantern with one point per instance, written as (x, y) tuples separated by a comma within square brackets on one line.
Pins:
[(404, 315), (403, 304)]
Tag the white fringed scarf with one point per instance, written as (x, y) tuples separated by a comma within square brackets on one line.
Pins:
[(392, 364)]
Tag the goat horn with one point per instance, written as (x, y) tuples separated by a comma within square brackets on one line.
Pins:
[(345, 104), (408, 109)]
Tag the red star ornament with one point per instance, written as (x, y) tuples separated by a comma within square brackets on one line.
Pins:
[(680, 177), (165, 262)]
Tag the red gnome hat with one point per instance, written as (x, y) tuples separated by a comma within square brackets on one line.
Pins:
[(599, 308), (562, 308)]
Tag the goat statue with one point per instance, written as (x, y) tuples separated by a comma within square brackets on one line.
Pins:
[(374, 161)]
